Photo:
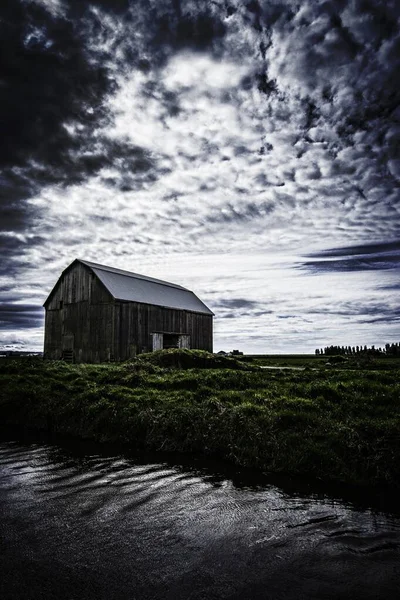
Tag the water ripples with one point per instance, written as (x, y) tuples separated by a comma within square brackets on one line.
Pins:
[(169, 530)]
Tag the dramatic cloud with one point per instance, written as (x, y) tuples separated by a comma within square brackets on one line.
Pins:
[(356, 258), (161, 135), (20, 315)]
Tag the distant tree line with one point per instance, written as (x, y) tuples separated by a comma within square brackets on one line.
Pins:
[(388, 350)]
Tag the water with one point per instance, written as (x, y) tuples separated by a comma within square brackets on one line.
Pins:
[(83, 523)]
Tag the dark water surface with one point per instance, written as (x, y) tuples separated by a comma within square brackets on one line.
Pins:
[(90, 524)]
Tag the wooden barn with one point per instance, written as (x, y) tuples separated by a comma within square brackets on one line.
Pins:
[(97, 314)]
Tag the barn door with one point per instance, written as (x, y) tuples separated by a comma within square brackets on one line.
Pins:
[(184, 341), (158, 341), (170, 340), (68, 348)]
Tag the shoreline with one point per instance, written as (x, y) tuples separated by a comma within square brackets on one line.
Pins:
[(365, 496), (330, 425)]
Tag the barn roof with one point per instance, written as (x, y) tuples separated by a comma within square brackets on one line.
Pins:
[(132, 287)]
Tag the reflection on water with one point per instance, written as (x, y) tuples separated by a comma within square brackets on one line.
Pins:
[(87, 524)]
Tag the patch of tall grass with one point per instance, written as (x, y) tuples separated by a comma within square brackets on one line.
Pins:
[(341, 425)]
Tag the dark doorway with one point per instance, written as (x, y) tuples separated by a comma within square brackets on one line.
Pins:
[(171, 340)]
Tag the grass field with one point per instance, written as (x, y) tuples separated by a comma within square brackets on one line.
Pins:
[(320, 361), (338, 422)]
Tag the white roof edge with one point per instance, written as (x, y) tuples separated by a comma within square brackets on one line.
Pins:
[(207, 310)]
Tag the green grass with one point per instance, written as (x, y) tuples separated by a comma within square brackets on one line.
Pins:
[(321, 361), (288, 360), (333, 423)]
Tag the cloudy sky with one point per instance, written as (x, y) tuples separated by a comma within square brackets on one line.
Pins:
[(246, 150)]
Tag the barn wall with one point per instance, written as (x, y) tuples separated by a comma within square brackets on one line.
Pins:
[(135, 322), (79, 316)]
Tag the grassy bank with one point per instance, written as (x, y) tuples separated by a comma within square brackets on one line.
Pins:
[(332, 423)]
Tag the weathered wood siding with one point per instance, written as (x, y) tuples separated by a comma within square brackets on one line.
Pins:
[(82, 310), (83, 317), (135, 322)]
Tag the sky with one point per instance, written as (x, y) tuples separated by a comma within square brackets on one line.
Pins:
[(248, 151)]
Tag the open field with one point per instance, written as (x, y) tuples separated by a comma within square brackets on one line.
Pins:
[(319, 361), (285, 360), (340, 422)]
